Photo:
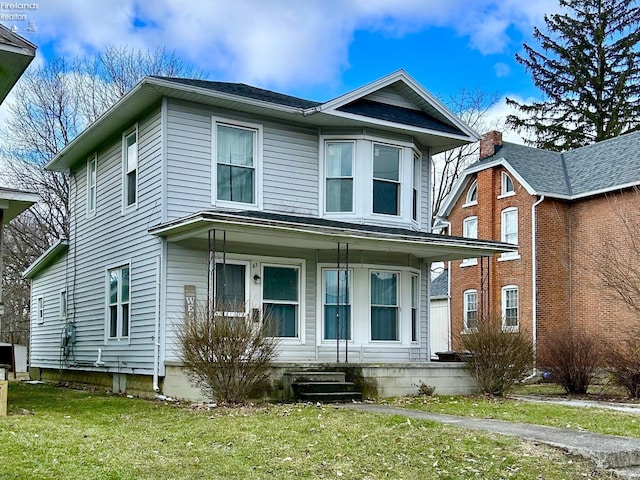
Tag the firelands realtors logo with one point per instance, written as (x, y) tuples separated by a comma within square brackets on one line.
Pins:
[(18, 14)]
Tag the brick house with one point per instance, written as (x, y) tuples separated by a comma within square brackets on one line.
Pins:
[(564, 211)]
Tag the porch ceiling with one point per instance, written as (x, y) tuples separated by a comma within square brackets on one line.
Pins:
[(319, 234)]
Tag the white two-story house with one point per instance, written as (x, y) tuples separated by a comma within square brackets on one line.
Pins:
[(186, 189)]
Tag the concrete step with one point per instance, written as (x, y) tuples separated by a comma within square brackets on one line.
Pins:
[(323, 387), (629, 473), (331, 397), (315, 376)]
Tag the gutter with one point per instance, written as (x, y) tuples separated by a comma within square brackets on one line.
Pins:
[(534, 272)]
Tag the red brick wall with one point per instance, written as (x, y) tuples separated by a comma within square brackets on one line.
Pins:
[(501, 273), (568, 238)]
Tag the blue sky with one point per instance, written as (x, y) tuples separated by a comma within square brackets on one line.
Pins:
[(316, 49)]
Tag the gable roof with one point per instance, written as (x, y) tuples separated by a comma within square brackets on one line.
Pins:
[(46, 259), (16, 54), (395, 103), (583, 172), (13, 202)]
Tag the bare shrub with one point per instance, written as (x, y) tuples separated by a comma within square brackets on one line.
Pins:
[(498, 358), (622, 360), (227, 355), (572, 357)]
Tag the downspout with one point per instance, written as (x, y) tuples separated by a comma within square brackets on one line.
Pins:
[(534, 272), (156, 330)]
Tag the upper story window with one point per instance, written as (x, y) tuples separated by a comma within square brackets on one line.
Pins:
[(470, 309), (509, 229), (236, 157), (472, 194), (510, 308), (386, 180), (119, 301), (470, 230), (92, 172), (130, 163), (339, 173), (416, 187), (507, 185)]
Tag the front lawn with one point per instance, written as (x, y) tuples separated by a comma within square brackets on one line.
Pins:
[(595, 420), (56, 433)]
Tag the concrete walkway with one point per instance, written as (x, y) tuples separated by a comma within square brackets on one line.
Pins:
[(621, 454), (620, 407)]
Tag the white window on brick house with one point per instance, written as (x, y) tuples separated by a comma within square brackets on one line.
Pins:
[(509, 231), (510, 314), (470, 309), (470, 230), (507, 185), (472, 195)]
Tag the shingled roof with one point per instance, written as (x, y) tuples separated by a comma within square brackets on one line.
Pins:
[(600, 167), (246, 91)]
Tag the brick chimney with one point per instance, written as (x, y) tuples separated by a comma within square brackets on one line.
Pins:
[(490, 144)]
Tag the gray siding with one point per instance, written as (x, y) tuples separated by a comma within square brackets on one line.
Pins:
[(108, 239), (45, 337), (290, 162)]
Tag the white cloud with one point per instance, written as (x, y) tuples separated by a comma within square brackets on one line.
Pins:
[(497, 115), (502, 69), (276, 42)]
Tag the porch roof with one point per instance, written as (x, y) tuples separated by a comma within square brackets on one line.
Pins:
[(322, 234)]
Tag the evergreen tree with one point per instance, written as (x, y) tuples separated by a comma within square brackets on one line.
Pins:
[(588, 70)]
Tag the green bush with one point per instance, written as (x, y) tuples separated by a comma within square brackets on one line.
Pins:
[(227, 355), (498, 359)]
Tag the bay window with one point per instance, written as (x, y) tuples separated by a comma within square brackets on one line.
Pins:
[(281, 299), (386, 180), (339, 176), (384, 305), (337, 303)]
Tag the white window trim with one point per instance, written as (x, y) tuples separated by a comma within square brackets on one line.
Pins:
[(107, 318), (63, 306), (509, 255), (40, 309), (465, 327), (468, 202), (321, 304), (299, 303), (92, 198), (247, 286), (402, 185), (259, 148), (417, 186), (397, 306), (324, 177), (127, 208), (417, 300), (506, 193), (468, 262), (506, 328)]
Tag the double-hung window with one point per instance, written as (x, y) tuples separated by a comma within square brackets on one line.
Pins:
[(92, 172), (281, 299), (384, 305), (339, 173), (119, 308), (415, 299), (386, 179), (470, 230), (131, 167), (236, 158), (63, 305), (416, 187), (510, 307), (337, 303), (470, 309)]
